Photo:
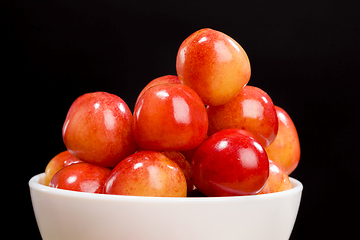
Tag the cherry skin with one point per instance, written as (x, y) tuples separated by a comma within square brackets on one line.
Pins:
[(61, 160), (285, 149), (214, 65), (98, 129), (278, 179), (252, 110), (169, 117), (81, 177), (160, 80), (185, 166), (230, 163), (189, 153), (147, 173)]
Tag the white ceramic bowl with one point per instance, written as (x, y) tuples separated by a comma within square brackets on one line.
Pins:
[(63, 214)]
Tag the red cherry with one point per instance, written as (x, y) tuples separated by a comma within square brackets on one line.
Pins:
[(169, 117), (214, 65), (147, 173), (252, 110), (98, 129), (81, 177), (230, 163)]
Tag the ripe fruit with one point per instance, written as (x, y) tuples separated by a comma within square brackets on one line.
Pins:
[(278, 179), (169, 117), (214, 65), (147, 173), (230, 163), (98, 129), (81, 177), (201, 133), (285, 150), (252, 110), (61, 160)]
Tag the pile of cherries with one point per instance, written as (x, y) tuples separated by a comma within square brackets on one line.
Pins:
[(203, 132)]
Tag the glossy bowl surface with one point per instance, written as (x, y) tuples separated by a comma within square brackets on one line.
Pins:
[(63, 214)]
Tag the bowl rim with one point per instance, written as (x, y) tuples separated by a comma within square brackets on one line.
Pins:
[(34, 184)]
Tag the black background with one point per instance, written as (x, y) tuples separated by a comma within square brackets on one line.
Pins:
[(304, 54)]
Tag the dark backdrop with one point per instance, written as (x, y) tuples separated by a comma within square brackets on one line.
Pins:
[(304, 54)]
